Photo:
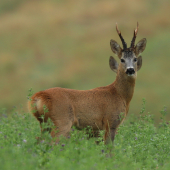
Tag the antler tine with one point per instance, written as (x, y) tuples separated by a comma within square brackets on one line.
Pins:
[(117, 29), (123, 41), (134, 36), (136, 30)]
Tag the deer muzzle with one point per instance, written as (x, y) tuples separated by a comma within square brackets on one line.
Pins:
[(130, 71)]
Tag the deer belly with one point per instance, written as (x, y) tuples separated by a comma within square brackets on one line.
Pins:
[(91, 120)]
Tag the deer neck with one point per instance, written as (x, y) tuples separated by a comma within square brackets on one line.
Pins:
[(125, 85)]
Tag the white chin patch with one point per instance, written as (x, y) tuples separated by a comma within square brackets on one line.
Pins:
[(131, 75)]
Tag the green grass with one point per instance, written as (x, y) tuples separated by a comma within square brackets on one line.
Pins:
[(138, 145)]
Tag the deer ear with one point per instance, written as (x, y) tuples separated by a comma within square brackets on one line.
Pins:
[(139, 63), (140, 46), (116, 48), (113, 64)]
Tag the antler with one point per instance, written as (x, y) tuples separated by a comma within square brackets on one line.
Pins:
[(123, 41), (134, 36)]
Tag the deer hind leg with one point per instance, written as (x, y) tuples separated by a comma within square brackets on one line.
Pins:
[(39, 106), (62, 128)]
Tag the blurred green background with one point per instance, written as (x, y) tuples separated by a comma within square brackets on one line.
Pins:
[(65, 43)]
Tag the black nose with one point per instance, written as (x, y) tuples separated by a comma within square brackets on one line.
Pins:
[(130, 71)]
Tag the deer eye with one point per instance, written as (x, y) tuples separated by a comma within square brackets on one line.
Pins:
[(135, 59), (122, 60)]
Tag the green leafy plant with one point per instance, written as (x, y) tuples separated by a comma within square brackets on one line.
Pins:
[(138, 144)]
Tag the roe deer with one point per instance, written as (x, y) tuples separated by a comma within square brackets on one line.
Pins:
[(99, 108)]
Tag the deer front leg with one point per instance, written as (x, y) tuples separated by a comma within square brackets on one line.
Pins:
[(109, 135)]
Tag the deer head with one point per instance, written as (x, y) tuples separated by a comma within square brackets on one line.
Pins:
[(130, 58)]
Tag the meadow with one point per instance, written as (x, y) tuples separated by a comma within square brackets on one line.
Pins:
[(45, 44), (138, 145)]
